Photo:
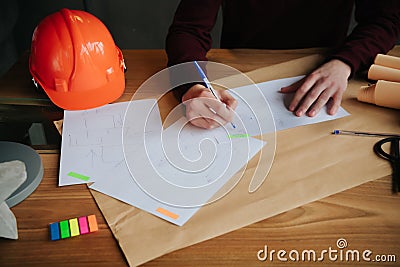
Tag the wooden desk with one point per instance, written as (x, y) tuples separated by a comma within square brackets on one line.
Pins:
[(366, 216)]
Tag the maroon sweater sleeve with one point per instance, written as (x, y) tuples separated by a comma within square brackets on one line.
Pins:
[(377, 31), (189, 35)]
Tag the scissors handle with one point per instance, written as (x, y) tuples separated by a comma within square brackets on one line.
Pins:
[(393, 158)]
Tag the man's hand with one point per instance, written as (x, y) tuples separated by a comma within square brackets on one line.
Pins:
[(203, 110), (315, 90)]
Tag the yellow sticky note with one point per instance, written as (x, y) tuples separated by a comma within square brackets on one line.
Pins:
[(74, 227)]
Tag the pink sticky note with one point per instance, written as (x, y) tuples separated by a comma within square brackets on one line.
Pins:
[(83, 225)]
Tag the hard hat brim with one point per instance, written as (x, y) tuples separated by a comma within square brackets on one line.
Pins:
[(84, 99)]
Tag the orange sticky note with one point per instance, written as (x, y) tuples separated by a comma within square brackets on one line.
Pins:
[(92, 223), (168, 213)]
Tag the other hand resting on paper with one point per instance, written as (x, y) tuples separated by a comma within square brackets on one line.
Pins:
[(316, 89), (204, 111)]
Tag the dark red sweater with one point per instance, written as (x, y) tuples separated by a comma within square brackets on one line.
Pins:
[(286, 24)]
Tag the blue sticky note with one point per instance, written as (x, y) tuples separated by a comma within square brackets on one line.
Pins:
[(54, 231)]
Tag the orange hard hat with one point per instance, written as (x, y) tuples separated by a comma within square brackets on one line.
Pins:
[(75, 60)]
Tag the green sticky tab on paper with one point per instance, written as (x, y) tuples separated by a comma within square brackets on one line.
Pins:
[(64, 229), (79, 176), (238, 135)]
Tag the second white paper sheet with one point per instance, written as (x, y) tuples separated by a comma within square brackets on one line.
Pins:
[(172, 176), (249, 102)]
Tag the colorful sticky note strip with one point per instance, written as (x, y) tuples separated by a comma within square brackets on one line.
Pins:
[(168, 213), (83, 225), (64, 229), (73, 227), (54, 231), (231, 136), (92, 223), (79, 176)]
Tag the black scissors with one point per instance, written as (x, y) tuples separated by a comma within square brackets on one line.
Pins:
[(393, 158)]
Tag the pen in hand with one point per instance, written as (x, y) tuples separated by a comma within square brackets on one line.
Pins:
[(208, 85)]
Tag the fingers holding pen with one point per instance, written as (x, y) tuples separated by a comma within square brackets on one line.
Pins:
[(203, 110), (206, 112), (231, 102)]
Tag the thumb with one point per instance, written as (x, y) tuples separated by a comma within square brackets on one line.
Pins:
[(293, 87)]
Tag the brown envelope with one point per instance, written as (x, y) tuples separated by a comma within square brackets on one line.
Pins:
[(310, 163)]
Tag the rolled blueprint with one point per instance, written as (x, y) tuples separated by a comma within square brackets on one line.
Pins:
[(383, 93), (378, 72), (387, 61)]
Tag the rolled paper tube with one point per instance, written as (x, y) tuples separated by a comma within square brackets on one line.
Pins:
[(367, 94), (383, 93), (378, 72), (387, 61)]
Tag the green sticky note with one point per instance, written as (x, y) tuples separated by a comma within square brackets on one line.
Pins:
[(79, 176), (238, 135), (64, 229)]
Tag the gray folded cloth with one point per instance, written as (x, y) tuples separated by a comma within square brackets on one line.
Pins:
[(12, 175)]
